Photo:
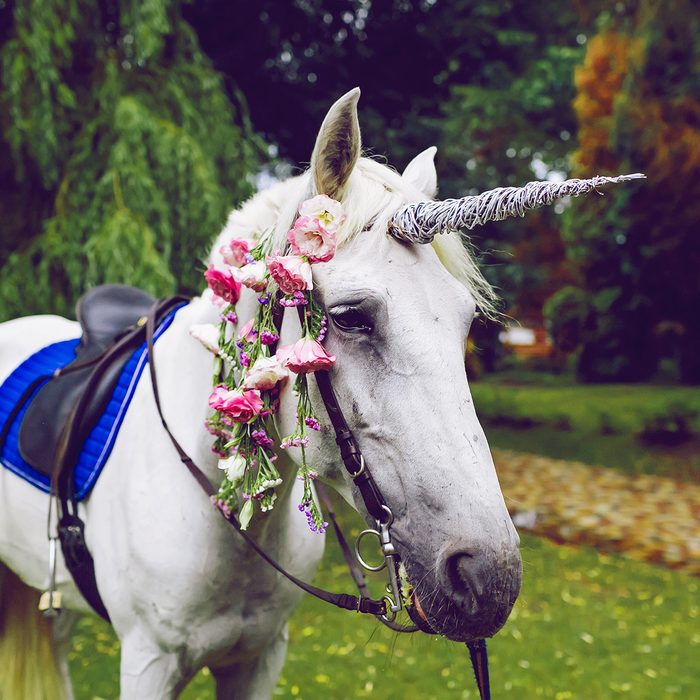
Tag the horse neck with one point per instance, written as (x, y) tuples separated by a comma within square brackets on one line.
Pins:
[(184, 371)]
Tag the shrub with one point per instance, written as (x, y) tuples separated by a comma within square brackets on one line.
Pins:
[(669, 426)]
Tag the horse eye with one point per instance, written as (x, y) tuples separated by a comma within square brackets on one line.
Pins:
[(351, 319)]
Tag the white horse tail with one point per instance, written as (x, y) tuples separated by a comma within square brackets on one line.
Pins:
[(29, 666)]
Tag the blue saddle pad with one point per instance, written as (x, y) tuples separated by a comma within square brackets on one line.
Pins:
[(100, 441)]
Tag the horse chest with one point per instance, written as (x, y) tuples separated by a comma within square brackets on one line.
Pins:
[(250, 603)]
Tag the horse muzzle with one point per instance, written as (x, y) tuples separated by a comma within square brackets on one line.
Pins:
[(467, 595)]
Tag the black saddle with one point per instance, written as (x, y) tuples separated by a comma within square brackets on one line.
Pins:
[(114, 319), (107, 314)]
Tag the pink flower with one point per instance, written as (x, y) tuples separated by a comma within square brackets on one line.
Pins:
[(217, 396), (215, 300), (306, 355), (328, 211), (252, 275), (223, 284), (234, 252), (292, 273), (247, 333), (308, 237), (241, 406), (265, 374)]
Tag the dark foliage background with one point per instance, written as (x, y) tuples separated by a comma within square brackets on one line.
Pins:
[(130, 129)]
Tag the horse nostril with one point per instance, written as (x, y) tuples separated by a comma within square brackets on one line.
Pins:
[(460, 571)]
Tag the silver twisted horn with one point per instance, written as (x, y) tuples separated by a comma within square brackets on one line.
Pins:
[(420, 222)]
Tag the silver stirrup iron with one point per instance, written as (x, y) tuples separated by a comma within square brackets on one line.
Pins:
[(50, 601)]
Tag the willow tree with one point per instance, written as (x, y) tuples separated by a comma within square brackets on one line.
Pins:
[(123, 152)]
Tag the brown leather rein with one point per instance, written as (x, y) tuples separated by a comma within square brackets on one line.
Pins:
[(356, 466)]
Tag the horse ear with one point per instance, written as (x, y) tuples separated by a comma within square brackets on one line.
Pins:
[(337, 146), (421, 173)]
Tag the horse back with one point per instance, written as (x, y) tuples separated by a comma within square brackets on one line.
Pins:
[(24, 336)]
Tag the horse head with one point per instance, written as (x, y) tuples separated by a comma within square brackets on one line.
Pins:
[(400, 300), (399, 315)]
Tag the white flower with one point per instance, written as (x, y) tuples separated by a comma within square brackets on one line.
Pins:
[(252, 275), (246, 514), (328, 211), (234, 466), (265, 374), (207, 334), (270, 504)]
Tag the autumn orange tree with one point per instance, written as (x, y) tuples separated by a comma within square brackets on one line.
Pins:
[(637, 251)]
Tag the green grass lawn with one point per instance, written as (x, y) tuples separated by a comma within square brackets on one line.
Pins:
[(621, 408), (586, 626), (595, 424)]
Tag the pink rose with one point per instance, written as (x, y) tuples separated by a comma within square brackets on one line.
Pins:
[(234, 252), (265, 374), (292, 273), (308, 237), (223, 284), (247, 333), (306, 355), (328, 211), (252, 275), (217, 396), (240, 406)]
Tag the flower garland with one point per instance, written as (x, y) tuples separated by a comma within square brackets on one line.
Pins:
[(248, 377)]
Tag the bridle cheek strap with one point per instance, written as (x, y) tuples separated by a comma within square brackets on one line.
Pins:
[(350, 451)]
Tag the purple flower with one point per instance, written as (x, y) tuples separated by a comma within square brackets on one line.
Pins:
[(245, 359), (268, 338), (312, 517), (323, 329), (229, 316), (215, 429), (307, 475), (260, 437), (296, 299), (312, 423), (221, 505), (294, 441)]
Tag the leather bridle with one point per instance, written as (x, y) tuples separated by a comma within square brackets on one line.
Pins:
[(384, 609)]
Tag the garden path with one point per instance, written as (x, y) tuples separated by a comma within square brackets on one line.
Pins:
[(647, 518)]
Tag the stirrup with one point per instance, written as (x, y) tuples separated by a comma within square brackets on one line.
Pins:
[(50, 601)]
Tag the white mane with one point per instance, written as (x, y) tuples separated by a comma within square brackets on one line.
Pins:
[(373, 194)]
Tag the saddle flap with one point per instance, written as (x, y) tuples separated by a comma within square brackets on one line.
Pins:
[(105, 313)]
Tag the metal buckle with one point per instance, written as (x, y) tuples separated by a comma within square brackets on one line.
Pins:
[(362, 467), (393, 595)]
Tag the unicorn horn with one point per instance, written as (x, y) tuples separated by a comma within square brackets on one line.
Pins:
[(420, 222)]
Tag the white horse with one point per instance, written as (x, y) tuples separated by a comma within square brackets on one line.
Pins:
[(182, 589)]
